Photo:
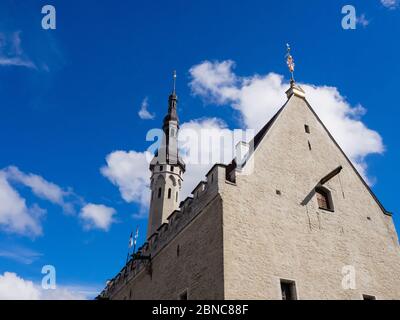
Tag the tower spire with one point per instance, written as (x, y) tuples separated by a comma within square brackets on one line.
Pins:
[(172, 105), (167, 169)]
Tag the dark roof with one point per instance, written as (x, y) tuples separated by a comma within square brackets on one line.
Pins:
[(260, 135)]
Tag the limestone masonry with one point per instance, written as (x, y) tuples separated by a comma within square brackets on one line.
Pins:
[(303, 225)]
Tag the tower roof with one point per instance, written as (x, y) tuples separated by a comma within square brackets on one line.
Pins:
[(172, 114), (168, 152)]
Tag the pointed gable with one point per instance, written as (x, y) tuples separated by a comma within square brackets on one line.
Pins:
[(297, 96)]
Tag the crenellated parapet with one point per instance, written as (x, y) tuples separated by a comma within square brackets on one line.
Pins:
[(189, 208)]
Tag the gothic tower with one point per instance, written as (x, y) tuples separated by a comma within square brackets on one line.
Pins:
[(167, 169)]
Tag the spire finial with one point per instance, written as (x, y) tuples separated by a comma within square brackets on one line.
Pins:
[(174, 86), (290, 63)]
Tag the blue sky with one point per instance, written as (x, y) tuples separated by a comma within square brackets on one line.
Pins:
[(71, 96)]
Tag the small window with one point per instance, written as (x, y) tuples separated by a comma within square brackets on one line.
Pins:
[(183, 295), (212, 177), (161, 168), (278, 192), (172, 168), (176, 197), (309, 145), (169, 193), (288, 289), (159, 193), (178, 250), (307, 128), (324, 199), (368, 297)]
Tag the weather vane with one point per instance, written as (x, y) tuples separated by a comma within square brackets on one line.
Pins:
[(290, 62)]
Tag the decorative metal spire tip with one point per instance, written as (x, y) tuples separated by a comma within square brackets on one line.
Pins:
[(290, 62), (174, 87)]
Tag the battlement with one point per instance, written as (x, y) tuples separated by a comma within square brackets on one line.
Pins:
[(189, 208)]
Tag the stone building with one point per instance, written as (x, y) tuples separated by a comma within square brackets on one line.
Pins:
[(303, 225)]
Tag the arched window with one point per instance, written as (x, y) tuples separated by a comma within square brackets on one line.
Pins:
[(169, 193), (173, 181), (324, 198), (159, 193)]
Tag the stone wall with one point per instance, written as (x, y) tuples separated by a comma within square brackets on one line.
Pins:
[(238, 240), (268, 237), (197, 230)]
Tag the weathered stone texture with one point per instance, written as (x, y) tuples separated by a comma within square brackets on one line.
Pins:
[(198, 268), (247, 237), (268, 237)]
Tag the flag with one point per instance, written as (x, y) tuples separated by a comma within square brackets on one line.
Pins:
[(136, 236), (130, 245)]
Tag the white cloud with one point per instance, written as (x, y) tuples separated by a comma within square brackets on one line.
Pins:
[(129, 171), (40, 187), (97, 216), (212, 143), (19, 254), (390, 4), (144, 112), (15, 216), (11, 53), (258, 98), (13, 287)]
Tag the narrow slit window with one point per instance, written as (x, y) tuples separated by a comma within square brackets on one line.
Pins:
[(368, 297), (176, 196), (159, 193), (169, 193), (307, 128)]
